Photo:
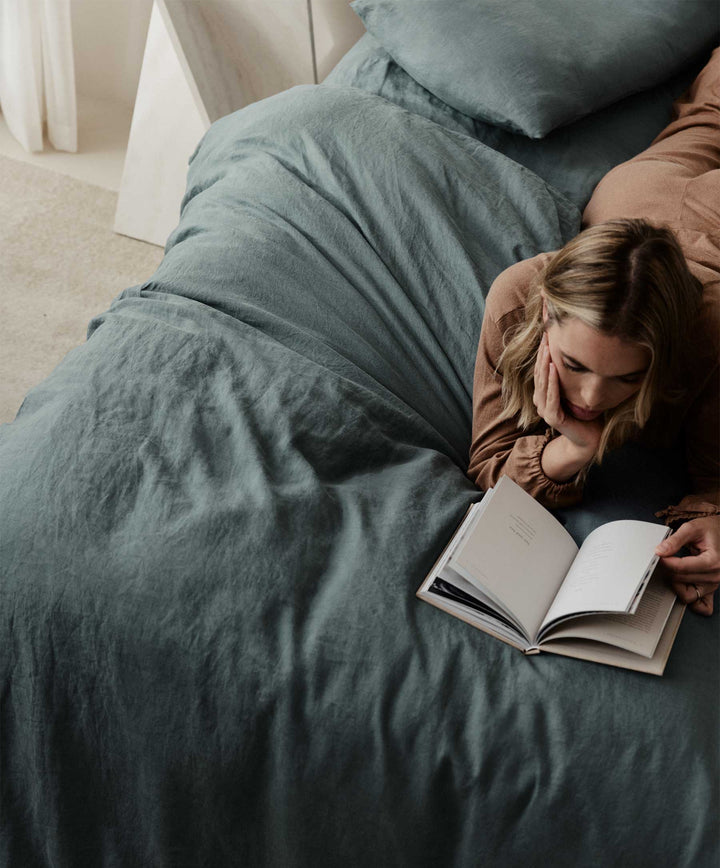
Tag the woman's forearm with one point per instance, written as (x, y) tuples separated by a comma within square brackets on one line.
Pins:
[(561, 459)]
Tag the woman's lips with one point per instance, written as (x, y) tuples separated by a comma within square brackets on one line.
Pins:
[(583, 415)]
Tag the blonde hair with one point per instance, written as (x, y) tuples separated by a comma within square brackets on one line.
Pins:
[(627, 279)]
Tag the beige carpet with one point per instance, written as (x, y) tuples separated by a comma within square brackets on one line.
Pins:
[(60, 264)]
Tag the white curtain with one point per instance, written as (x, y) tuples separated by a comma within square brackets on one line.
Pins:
[(37, 72)]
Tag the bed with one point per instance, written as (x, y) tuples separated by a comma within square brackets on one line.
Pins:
[(215, 513)]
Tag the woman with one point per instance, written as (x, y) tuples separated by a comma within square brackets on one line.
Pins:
[(616, 336)]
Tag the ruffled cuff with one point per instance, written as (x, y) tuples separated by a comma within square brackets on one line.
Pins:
[(526, 469), (688, 509)]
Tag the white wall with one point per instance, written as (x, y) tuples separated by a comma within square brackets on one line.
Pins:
[(109, 40)]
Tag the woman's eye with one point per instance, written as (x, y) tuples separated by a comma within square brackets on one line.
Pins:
[(578, 369)]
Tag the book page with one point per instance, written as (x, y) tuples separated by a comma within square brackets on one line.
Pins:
[(609, 568), (450, 583), (639, 633), (582, 649), (517, 553)]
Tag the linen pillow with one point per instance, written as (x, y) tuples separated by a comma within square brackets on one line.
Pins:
[(533, 65)]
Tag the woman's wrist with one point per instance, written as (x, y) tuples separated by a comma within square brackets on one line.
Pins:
[(561, 459)]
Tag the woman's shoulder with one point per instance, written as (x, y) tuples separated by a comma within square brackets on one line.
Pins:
[(509, 291)]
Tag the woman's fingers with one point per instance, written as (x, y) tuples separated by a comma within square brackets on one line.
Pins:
[(546, 395), (690, 592), (691, 588), (553, 408), (696, 577), (691, 533), (703, 606), (698, 596), (690, 565)]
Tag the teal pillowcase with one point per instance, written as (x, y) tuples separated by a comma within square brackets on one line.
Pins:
[(530, 66)]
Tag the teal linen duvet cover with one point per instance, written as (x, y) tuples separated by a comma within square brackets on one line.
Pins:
[(215, 513), (572, 158)]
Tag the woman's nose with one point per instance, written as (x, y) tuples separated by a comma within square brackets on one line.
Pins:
[(592, 392)]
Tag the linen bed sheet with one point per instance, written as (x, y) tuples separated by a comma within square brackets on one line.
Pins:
[(215, 513)]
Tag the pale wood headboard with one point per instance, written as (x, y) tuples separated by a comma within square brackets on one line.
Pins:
[(270, 44), (336, 29), (203, 60)]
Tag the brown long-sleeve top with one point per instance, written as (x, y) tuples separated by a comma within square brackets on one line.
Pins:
[(675, 182)]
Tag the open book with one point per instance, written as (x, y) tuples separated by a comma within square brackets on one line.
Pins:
[(512, 570)]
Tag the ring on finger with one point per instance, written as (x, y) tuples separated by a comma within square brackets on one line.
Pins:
[(699, 594)]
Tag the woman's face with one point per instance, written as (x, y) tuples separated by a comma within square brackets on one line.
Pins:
[(596, 371)]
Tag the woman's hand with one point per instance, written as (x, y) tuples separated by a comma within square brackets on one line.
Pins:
[(583, 437), (695, 577)]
